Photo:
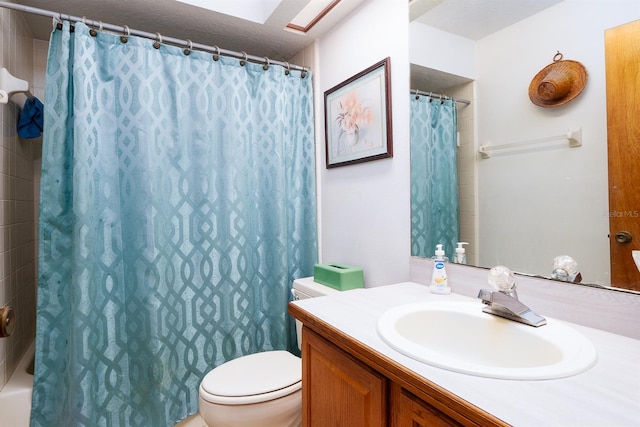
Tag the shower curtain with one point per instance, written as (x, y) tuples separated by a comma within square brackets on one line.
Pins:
[(177, 206), (434, 176)]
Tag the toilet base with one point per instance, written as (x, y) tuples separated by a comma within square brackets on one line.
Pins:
[(282, 412)]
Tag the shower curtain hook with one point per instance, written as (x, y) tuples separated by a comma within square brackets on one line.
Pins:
[(187, 50), (124, 38), (57, 20), (244, 61), (72, 25), (216, 55), (100, 27), (303, 74), (288, 70), (266, 65), (158, 41), (93, 32)]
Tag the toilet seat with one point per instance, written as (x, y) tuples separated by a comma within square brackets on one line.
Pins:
[(254, 378)]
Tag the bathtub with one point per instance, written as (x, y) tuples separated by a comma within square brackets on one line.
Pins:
[(15, 397)]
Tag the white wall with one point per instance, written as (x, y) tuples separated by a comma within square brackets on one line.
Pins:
[(549, 190), (442, 51), (364, 211)]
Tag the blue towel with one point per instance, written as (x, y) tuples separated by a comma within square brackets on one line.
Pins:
[(30, 122)]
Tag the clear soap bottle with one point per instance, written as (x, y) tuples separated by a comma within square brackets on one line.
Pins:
[(439, 283), (461, 256)]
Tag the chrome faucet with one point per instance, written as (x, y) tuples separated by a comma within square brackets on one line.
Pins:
[(499, 303), (503, 300)]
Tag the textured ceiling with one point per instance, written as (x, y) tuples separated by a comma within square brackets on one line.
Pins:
[(182, 21), (475, 19)]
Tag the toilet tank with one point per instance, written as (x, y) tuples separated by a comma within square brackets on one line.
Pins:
[(306, 288)]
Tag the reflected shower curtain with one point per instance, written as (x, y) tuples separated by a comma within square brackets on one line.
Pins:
[(177, 206), (434, 176)]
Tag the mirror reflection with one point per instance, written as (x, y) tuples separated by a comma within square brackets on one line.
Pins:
[(542, 202)]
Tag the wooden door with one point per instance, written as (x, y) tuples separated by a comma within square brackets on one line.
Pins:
[(622, 59), (337, 389)]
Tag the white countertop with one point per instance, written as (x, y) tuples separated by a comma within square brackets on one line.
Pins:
[(606, 395)]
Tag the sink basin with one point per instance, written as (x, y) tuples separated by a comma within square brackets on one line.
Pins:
[(458, 336)]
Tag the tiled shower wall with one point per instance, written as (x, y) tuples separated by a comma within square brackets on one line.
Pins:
[(17, 197)]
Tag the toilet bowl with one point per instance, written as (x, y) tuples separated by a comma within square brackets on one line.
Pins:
[(261, 389)]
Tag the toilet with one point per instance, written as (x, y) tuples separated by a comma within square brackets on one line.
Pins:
[(260, 389)]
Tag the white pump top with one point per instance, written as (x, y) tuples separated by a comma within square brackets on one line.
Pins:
[(460, 248), (439, 251)]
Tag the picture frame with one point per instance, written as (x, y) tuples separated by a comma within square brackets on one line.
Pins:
[(358, 117)]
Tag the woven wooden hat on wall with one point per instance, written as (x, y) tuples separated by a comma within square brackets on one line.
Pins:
[(558, 83)]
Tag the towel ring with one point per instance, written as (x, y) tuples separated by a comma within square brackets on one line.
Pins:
[(216, 55), (124, 38), (287, 71), (244, 61), (188, 50), (266, 65)]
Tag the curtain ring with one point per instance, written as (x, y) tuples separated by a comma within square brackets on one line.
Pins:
[(158, 41), (266, 65), (92, 31), (303, 74), (72, 25), (124, 38), (216, 55), (288, 69), (244, 61), (57, 20), (187, 50)]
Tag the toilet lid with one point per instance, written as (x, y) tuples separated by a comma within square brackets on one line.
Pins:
[(254, 374)]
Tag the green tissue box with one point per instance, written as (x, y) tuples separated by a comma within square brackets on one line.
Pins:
[(338, 276)]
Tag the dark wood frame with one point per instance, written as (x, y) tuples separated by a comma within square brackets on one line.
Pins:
[(348, 86)]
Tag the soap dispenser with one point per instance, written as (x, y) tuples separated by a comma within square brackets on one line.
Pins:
[(439, 277), (461, 256)]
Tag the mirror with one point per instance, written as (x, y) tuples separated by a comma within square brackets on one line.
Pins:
[(526, 205)]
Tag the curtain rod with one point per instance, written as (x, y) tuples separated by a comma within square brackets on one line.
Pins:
[(157, 36), (417, 93)]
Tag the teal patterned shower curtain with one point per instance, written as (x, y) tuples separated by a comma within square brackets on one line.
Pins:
[(177, 206), (434, 176)]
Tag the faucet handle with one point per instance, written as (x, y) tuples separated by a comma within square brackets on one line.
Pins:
[(502, 279)]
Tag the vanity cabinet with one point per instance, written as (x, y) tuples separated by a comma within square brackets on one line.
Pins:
[(409, 410), (342, 386), (337, 389)]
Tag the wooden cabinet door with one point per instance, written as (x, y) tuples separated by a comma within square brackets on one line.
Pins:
[(337, 389), (408, 410)]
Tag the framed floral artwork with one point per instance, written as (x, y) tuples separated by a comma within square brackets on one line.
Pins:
[(357, 116)]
